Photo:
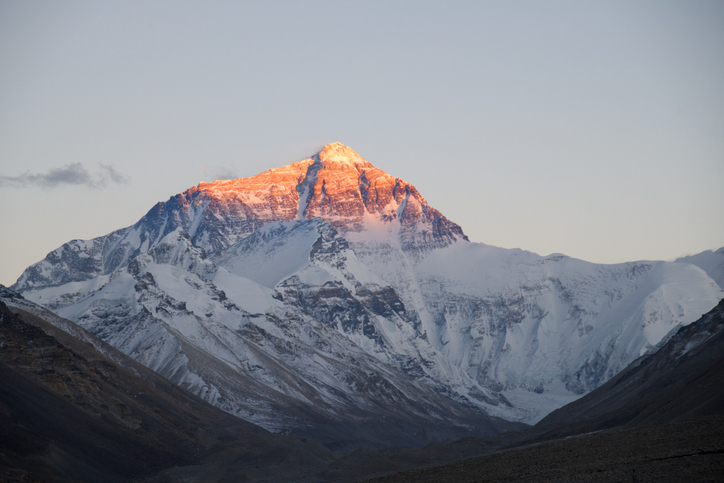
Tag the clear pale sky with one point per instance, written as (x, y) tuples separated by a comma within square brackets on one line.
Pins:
[(594, 129)]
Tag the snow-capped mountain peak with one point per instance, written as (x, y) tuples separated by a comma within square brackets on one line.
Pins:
[(331, 290), (339, 156)]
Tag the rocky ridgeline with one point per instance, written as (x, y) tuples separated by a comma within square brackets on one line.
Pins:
[(336, 184)]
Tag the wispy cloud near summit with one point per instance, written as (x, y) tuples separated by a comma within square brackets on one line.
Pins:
[(71, 174), (212, 173)]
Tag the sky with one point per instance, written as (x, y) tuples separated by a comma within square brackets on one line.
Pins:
[(593, 129)]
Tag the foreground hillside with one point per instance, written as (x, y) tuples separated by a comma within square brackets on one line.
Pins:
[(73, 408), (690, 450)]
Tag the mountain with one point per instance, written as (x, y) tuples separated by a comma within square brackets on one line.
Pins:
[(73, 408), (281, 368), (327, 298), (336, 184)]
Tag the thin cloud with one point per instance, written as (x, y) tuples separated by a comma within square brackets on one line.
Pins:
[(114, 175), (220, 172), (74, 174)]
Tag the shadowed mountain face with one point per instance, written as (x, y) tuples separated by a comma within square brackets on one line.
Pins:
[(70, 411)]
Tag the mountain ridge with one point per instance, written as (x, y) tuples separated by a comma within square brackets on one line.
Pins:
[(328, 277), (302, 190)]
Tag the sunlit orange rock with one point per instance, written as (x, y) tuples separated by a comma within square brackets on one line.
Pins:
[(336, 184)]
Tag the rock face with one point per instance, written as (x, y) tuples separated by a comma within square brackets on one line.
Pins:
[(329, 291), (336, 184)]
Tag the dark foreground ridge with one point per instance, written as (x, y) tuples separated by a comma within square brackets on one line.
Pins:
[(690, 450), (71, 413)]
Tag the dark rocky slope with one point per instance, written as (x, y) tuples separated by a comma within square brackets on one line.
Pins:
[(691, 451), (70, 413)]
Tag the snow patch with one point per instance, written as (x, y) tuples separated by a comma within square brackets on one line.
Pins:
[(246, 294)]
